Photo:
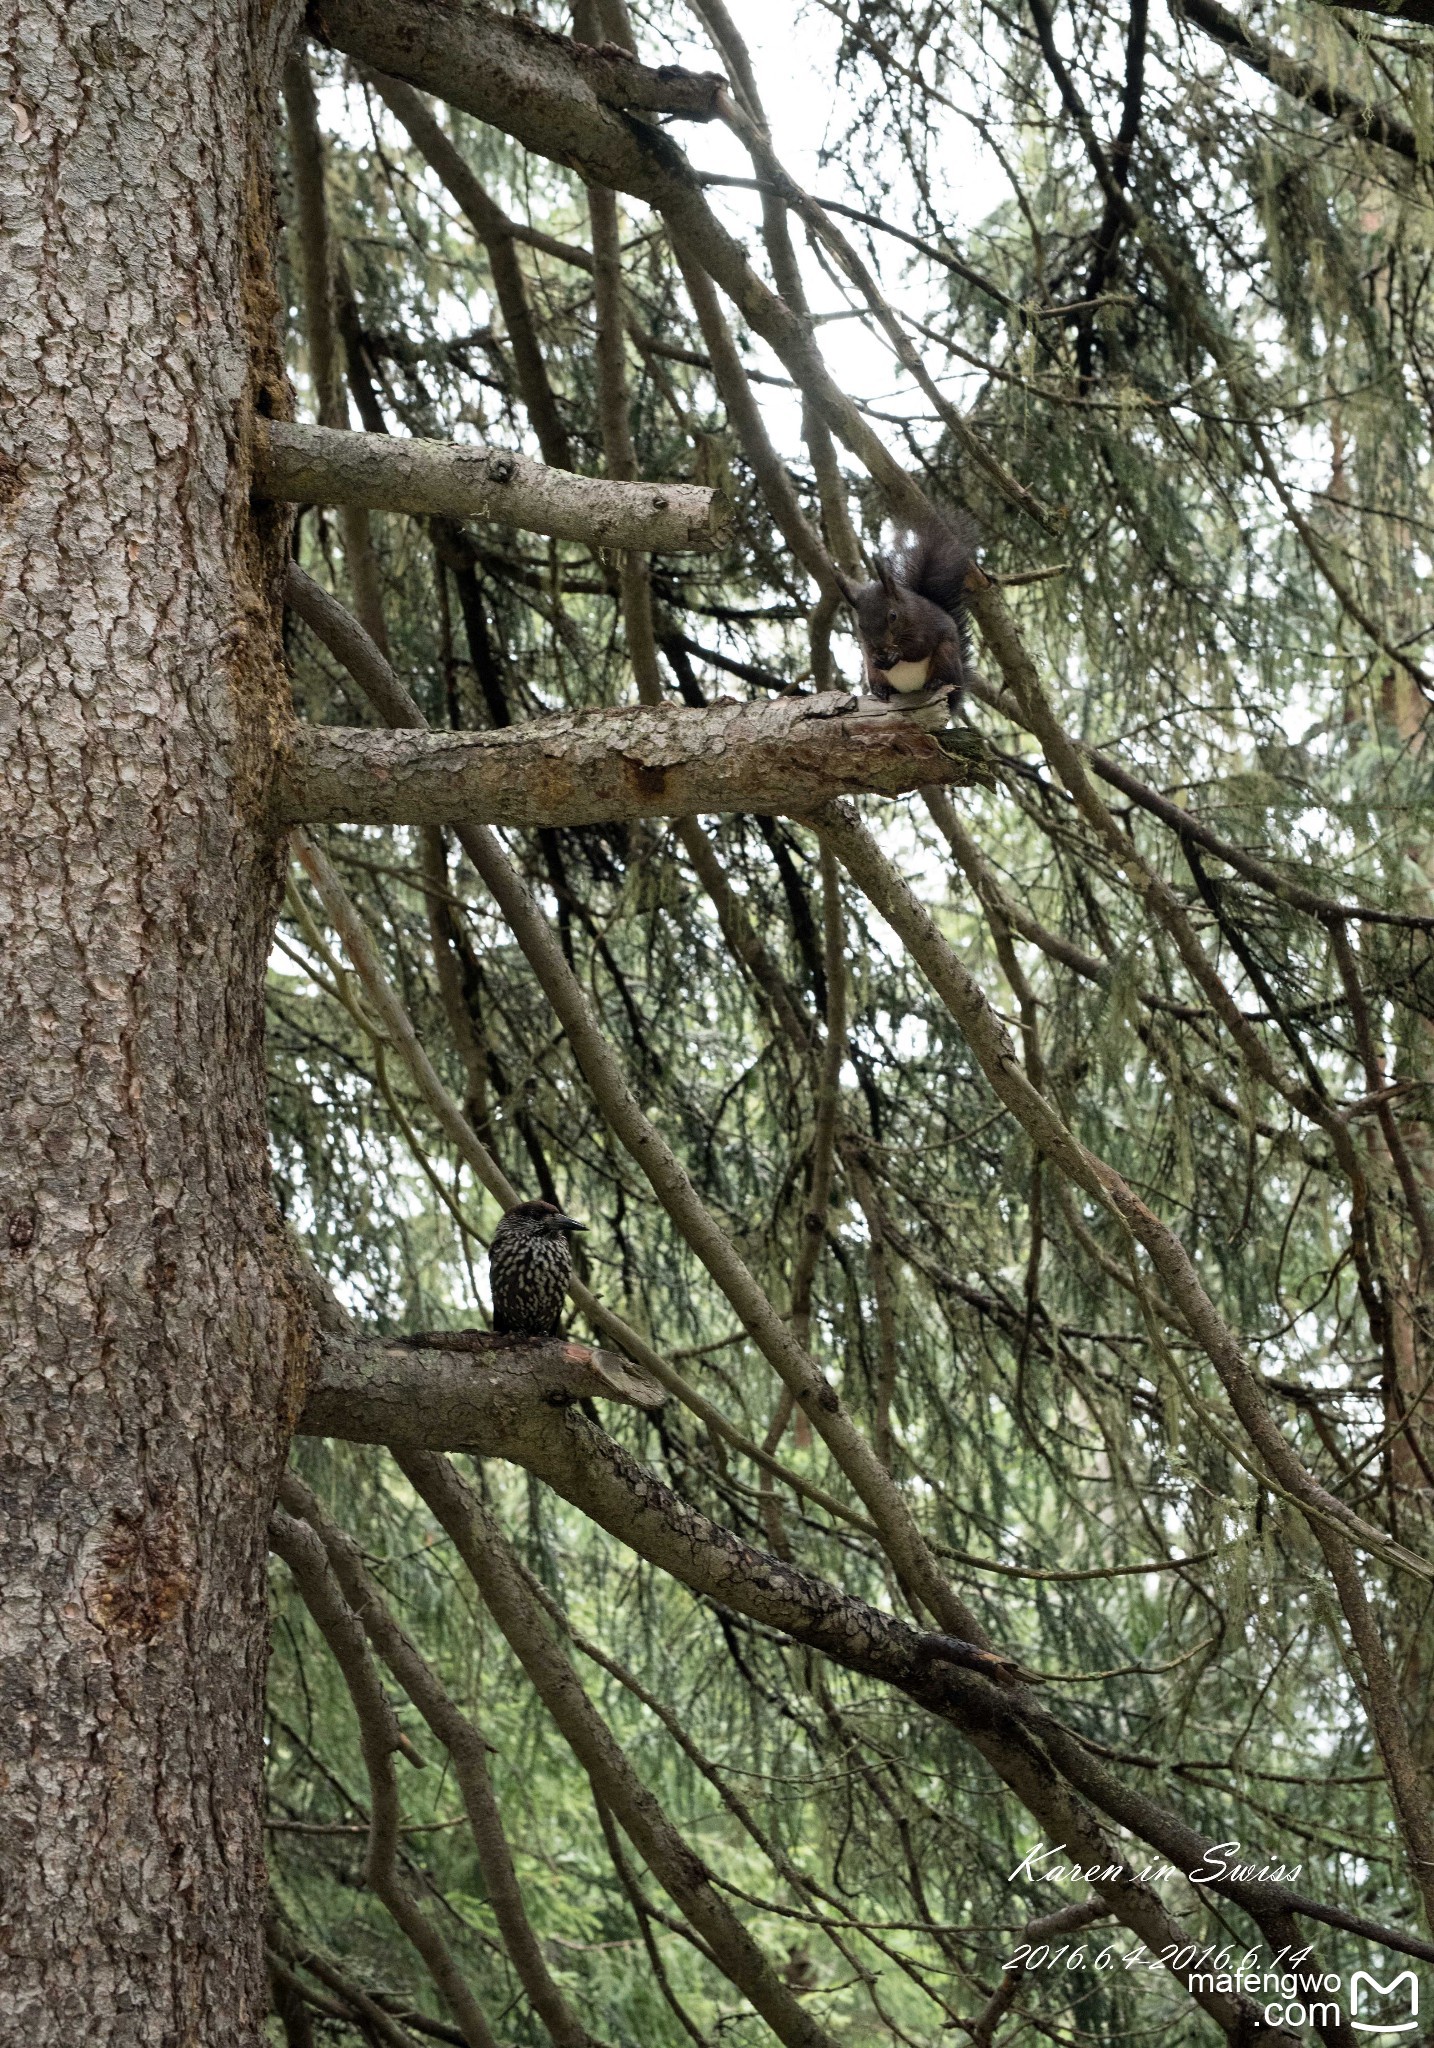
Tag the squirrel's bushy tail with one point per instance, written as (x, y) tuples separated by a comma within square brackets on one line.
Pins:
[(937, 559)]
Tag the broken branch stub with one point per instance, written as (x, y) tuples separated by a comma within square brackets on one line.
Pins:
[(451, 1391), (309, 465), (779, 758)]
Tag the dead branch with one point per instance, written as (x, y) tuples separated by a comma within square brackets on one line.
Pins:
[(320, 466), (786, 755), (449, 1396)]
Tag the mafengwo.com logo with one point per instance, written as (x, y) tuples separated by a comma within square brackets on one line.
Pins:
[(1376, 2008)]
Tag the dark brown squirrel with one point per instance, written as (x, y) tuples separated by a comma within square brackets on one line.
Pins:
[(913, 621)]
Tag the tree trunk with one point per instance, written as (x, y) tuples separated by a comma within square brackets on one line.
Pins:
[(152, 1347)]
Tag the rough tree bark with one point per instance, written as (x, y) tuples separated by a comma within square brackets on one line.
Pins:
[(150, 1338), (323, 466), (653, 761)]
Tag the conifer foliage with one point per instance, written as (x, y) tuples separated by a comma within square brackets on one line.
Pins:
[(1022, 1191)]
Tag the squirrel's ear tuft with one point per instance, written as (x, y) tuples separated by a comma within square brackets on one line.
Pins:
[(887, 576)]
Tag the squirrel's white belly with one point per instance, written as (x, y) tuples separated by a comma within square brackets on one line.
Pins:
[(908, 675)]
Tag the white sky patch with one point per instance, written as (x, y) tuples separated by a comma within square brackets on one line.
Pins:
[(794, 58)]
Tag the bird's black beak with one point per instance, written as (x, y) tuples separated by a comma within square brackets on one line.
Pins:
[(572, 1223)]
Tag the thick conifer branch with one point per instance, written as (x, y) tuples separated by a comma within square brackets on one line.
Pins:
[(640, 761), (453, 1392), (602, 76), (320, 466)]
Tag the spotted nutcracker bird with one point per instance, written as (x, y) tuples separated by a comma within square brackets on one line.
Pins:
[(530, 1263)]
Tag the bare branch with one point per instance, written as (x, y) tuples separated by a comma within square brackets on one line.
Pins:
[(612, 75), (321, 466), (734, 382), (451, 1395), (787, 755), (787, 272), (619, 456), (603, 80), (315, 262)]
